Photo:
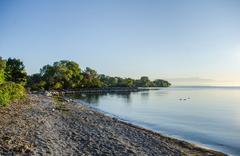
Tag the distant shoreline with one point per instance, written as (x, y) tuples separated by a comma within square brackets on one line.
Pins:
[(42, 125)]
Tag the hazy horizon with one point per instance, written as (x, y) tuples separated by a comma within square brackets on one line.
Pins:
[(186, 42)]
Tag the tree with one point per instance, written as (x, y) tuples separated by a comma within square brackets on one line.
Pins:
[(143, 82), (15, 71), (104, 80), (11, 81), (90, 71), (129, 82), (91, 79), (113, 81), (160, 83), (61, 75), (125, 82), (35, 82)]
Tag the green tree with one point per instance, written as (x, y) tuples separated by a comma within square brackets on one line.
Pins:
[(11, 88), (161, 83), (125, 82), (35, 82), (129, 82), (15, 71), (143, 82), (113, 81), (91, 79), (104, 80), (62, 75)]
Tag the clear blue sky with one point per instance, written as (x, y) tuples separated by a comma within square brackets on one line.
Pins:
[(192, 41)]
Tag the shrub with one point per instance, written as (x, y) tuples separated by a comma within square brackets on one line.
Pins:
[(2, 68), (10, 91)]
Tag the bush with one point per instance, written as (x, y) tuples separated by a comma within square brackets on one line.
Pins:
[(10, 91), (2, 68)]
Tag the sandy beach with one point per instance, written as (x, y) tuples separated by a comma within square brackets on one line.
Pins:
[(41, 125)]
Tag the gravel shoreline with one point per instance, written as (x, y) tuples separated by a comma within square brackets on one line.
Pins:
[(41, 125)]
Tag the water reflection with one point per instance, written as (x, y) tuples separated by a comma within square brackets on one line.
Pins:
[(144, 95), (88, 98), (126, 96), (93, 98)]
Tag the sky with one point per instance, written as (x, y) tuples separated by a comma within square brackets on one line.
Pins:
[(188, 42)]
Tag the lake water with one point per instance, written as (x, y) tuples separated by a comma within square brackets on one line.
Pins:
[(208, 116)]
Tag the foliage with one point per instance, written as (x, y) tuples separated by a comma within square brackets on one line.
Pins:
[(91, 79), (160, 82), (12, 79), (61, 75), (10, 91), (108, 81), (68, 75), (2, 68), (15, 71), (35, 82), (143, 82)]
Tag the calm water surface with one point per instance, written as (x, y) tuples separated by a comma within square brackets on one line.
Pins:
[(209, 116)]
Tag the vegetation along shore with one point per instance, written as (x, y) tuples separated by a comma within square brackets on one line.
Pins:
[(62, 76)]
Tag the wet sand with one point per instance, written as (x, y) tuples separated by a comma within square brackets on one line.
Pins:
[(41, 125)]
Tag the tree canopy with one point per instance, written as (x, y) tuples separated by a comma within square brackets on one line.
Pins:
[(66, 74), (15, 71), (61, 75), (12, 80)]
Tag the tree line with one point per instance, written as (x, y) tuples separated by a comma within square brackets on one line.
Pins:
[(61, 75), (66, 74)]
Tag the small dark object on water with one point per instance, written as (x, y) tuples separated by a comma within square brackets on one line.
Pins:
[(184, 99)]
